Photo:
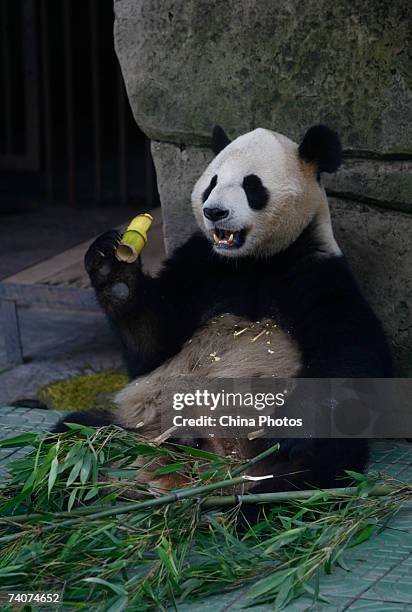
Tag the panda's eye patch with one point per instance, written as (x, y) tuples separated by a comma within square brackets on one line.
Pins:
[(209, 189), (256, 193)]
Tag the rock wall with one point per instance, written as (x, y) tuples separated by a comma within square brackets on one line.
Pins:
[(285, 65)]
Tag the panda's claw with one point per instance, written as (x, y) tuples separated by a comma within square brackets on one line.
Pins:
[(101, 252)]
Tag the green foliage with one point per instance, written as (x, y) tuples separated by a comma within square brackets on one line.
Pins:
[(83, 392), (63, 527)]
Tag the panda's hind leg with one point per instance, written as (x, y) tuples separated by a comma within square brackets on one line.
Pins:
[(91, 418)]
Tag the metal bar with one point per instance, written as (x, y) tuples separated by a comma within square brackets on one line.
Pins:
[(31, 84), (94, 43), (8, 118), (122, 139), (11, 331), (68, 61), (47, 102)]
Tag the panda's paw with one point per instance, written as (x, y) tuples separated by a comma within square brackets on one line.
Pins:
[(299, 448), (100, 256), (295, 448)]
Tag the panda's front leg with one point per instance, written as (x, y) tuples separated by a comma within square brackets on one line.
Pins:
[(113, 281), (150, 315), (100, 257), (122, 291), (322, 462)]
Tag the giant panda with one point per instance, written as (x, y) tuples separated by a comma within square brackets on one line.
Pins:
[(264, 257)]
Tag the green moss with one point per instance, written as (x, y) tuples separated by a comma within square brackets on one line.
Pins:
[(83, 392)]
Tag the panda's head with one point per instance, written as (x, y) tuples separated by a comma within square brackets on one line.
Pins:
[(262, 190)]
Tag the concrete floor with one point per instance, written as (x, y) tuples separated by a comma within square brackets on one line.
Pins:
[(59, 344)]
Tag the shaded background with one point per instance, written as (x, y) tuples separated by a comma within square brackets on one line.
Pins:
[(72, 159)]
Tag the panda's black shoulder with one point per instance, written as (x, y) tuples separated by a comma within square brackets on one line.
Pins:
[(196, 249), (193, 260), (325, 302)]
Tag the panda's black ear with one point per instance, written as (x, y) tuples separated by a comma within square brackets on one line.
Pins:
[(220, 139), (322, 145)]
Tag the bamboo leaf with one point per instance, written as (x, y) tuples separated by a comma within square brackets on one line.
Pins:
[(189, 586), (114, 587), (20, 440), (197, 452), (88, 431), (167, 560), (269, 584), (72, 499), (363, 535), (75, 472), (52, 475), (285, 593), (287, 537), (154, 551), (85, 469), (356, 475), (92, 493), (119, 604), (169, 469)]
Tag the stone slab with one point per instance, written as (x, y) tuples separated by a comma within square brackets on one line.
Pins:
[(15, 421), (57, 345), (386, 184), (177, 170), (279, 64), (378, 246)]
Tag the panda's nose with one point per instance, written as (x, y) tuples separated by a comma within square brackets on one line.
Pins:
[(213, 213)]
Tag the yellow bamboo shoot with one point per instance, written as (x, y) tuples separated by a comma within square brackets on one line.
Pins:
[(134, 238)]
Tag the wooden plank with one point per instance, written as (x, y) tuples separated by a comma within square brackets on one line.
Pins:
[(65, 298), (72, 276), (11, 332), (62, 265), (45, 270)]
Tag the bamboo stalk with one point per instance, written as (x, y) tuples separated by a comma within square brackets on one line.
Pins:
[(211, 501), (178, 495), (84, 511), (254, 460), (255, 498)]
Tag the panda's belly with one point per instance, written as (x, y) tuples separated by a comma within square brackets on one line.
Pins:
[(227, 346)]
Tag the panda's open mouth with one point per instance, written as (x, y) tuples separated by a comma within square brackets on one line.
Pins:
[(228, 239)]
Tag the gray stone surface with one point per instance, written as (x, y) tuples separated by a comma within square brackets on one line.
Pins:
[(387, 184), (57, 345), (15, 421), (379, 248), (282, 64), (177, 170)]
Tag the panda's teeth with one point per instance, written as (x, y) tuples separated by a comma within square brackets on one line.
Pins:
[(225, 238)]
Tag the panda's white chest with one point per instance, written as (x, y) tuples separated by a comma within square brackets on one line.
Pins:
[(229, 346)]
